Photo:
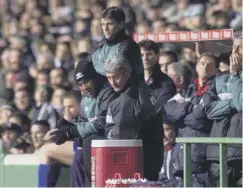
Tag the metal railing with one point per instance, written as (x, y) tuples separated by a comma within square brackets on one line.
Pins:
[(222, 142)]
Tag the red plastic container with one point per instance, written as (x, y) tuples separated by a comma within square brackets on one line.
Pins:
[(109, 157)]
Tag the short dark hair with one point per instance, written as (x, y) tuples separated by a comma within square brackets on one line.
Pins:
[(210, 55), (42, 123), (172, 54), (149, 45), (73, 95), (24, 119), (225, 58), (114, 13)]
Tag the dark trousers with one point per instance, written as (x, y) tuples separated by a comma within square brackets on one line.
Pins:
[(152, 158), (234, 174), (87, 155), (78, 170)]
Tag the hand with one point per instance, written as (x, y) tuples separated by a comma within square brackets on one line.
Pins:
[(235, 64), (47, 137), (59, 136), (199, 48)]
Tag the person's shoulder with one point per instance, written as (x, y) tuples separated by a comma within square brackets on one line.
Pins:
[(98, 47), (106, 90)]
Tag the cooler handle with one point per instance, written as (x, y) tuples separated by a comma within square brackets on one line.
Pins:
[(117, 176), (137, 176)]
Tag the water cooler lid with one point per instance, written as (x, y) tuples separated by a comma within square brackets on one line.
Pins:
[(116, 143)]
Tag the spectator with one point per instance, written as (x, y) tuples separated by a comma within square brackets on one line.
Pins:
[(62, 153), (38, 131), (63, 57), (42, 78), (57, 100), (57, 78), (43, 110), (44, 61), (22, 120), (131, 111), (9, 133), (223, 105), (6, 112), (165, 59), (191, 121), (22, 102)]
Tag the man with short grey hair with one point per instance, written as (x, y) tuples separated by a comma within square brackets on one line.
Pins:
[(182, 75), (132, 111)]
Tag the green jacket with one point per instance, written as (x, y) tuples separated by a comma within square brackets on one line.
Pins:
[(121, 45), (223, 104), (224, 95), (94, 112)]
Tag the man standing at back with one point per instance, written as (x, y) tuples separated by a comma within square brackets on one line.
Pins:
[(116, 42)]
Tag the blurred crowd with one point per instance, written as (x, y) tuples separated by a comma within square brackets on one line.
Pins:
[(41, 42)]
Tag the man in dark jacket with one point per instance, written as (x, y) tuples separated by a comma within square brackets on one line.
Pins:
[(223, 105), (116, 42), (190, 118), (161, 84), (134, 113), (162, 88), (96, 97)]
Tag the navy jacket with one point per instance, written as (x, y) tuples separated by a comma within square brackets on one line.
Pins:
[(191, 121)]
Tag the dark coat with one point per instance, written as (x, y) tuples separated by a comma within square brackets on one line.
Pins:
[(191, 121)]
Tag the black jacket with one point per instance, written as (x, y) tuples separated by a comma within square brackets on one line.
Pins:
[(127, 113), (136, 114), (162, 85)]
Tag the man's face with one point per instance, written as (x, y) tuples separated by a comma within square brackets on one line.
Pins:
[(118, 79), (43, 63), (206, 67), (189, 55), (149, 58), (21, 100), (164, 62), (61, 51), (8, 136), (178, 80), (40, 95), (37, 135), (169, 135), (110, 27), (41, 79), (56, 77), (20, 85), (87, 88), (237, 47), (72, 107), (15, 60)]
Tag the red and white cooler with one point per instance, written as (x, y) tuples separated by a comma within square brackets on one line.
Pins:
[(109, 157)]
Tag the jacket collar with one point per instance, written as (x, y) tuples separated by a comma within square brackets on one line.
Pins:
[(120, 36), (204, 87)]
